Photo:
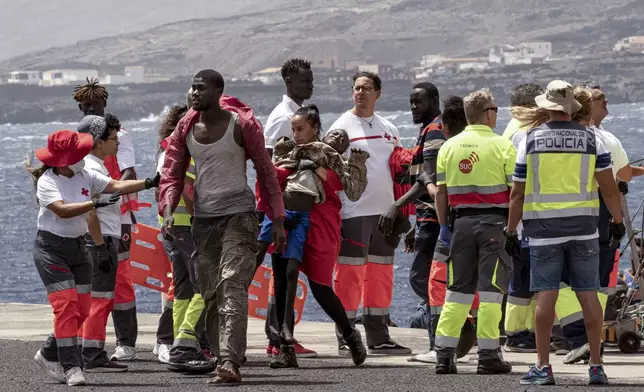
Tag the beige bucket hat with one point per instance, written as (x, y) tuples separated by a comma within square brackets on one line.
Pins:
[(559, 96)]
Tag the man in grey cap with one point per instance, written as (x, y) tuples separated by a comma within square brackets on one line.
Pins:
[(104, 226)]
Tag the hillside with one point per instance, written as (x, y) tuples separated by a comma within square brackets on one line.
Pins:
[(384, 31)]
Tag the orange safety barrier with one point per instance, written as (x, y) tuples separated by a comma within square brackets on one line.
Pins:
[(150, 265), (258, 293)]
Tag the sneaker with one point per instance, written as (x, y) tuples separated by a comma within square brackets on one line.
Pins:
[(577, 354), (155, 350), (358, 351), (389, 348), (53, 369), (269, 350), (75, 376), (303, 352), (286, 359), (163, 353), (520, 347), (124, 353), (536, 376), (276, 351), (344, 351), (428, 357), (474, 358), (108, 367), (560, 347), (445, 366), (207, 353), (493, 366), (596, 375)]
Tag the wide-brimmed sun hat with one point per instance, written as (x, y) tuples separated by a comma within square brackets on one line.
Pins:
[(559, 96), (65, 148)]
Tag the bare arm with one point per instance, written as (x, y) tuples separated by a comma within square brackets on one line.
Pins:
[(517, 196), (94, 227), (636, 171), (128, 174), (70, 210), (610, 193), (625, 173), (442, 204)]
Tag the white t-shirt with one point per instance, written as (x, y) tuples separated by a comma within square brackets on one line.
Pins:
[(614, 146), (108, 216), (379, 141), (77, 189), (125, 159), (279, 121)]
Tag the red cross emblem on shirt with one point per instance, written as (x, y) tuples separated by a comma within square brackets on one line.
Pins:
[(84, 192), (387, 136)]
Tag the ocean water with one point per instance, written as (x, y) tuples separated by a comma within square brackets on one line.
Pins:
[(19, 281)]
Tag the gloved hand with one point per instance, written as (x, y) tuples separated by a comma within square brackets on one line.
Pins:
[(153, 182), (104, 258), (106, 200), (445, 235), (512, 244), (616, 231), (623, 187), (306, 164)]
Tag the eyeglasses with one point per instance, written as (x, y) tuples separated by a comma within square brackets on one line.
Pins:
[(494, 109), (365, 89)]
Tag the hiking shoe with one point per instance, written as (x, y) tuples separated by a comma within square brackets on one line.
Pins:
[(428, 357), (206, 353), (389, 348), (536, 376), (285, 359), (520, 347), (163, 353), (596, 375), (108, 367), (577, 354), (53, 369), (560, 347), (493, 366), (445, 366), (75, 376), (344, 351), (124, 353), (269, 350), (358, 351), (302, 352)]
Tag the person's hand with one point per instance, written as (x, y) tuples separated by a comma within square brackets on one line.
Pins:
[(445, 236), (106, 200), (623, 187), (386, 220), (279, 235), (512, 243), (104, 258), (166, 226), (616, 232), (306, 164), (358, 155), (153, 182), (410, 241)]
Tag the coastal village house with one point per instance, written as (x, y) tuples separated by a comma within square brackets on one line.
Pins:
[(633, 44), (131, 75), (64, 77), (523, 53), (24, 77)]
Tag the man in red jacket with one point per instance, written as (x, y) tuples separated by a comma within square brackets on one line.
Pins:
[(220, 133)]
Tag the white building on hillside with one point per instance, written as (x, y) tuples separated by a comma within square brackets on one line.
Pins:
[(131, 75), (24, 77), (272, 75), (63, 77), (523, 53), (633, 44)]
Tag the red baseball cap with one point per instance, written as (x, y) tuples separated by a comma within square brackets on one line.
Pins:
[(65, 148)]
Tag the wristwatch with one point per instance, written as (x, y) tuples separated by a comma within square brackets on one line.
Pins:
[(509, 233)]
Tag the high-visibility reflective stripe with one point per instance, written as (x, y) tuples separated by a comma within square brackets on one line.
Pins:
[(123, 256), (608, 290), (508, 178), (385, 260), (447, 341), (561, 213), (67, 342), (271, 299), (459, 298), (487, 344), (351, 260), (435, 310), (483, 190), (519, 301), (440, 176), (440, 257), (352, 314), (84, 288), (375, 311), (181, 210), (561, 198), (482, 205), (183, 342), (87, 343), (577, 316), (125, 306), (103, 294), (490, 297), (60, 286)]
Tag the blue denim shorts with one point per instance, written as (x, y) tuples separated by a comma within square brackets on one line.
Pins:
[(580, 259), (296, 237)]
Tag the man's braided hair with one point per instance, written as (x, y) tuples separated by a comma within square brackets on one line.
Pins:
[(90, 90)]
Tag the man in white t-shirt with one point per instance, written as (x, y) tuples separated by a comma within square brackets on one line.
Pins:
[(365, 264), (298, 80), (104, 233)]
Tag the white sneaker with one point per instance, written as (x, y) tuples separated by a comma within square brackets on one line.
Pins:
[(124, 353), (53, 369), (75, 377), (163, 353), (155, 350), (473, 358), (428, 357)]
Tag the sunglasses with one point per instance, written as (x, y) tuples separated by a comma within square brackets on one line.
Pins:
[(494, 109)]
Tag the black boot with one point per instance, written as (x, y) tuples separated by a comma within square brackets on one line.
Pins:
[(445, 366), (358, 350), (493, 366), (286, 358)]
